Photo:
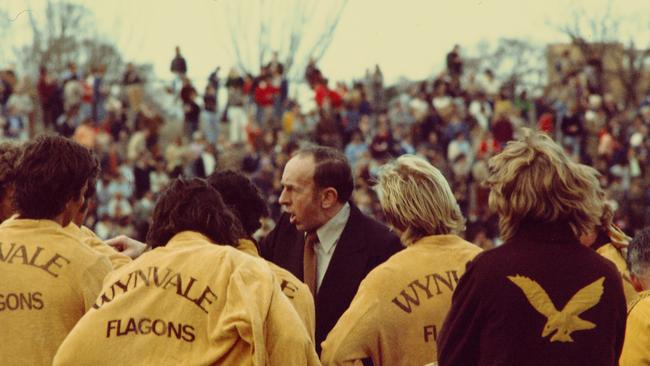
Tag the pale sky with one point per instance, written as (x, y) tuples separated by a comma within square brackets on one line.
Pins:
[(406, 37)]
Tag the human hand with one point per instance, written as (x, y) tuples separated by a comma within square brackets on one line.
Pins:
[(127, 246)]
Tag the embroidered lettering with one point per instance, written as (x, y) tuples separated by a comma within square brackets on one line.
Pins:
[(561, 323)]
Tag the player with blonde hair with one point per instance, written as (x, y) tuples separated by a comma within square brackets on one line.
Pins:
[(611, 242), (541, 298), (397, 313), (534, 179), (435, 211)]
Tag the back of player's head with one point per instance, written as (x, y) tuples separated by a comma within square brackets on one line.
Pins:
[(51, 172), (417, 199), (533, 179), (242, 197), (193, 205)]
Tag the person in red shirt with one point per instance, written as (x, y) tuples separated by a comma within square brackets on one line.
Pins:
[(265, 93), (264, 96), (546, 123)]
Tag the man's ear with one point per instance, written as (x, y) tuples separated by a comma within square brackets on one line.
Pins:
[(329, 197), (636, 282), (68, 213)]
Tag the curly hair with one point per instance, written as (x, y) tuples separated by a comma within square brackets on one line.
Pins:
[(9, 155), (533, 179), (417, 199), (51, 171), (193, 205), (242, 197)]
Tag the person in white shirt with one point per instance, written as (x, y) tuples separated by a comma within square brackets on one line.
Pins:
[(322, 238)]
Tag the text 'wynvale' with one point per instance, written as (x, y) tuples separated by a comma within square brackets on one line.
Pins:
[(165, 279)]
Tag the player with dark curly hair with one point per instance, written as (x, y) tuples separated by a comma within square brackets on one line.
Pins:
[(194, 299), (49, 277), (246, 202), (242, 197)]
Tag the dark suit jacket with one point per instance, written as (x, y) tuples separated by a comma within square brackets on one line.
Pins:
[(363, 245)]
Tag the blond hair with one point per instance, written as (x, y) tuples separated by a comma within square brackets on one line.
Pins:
[(417, 199), (534, 179)]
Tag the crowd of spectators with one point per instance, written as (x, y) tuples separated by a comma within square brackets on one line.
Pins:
[(457, 120)]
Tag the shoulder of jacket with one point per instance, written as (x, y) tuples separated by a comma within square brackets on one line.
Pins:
[(282, 233), (369, 225), (608, 250), (91, 262), (282, 273), (640, 297), (609, 262), (86, 231), (82, 247), (245, 264), (490, 255), (384, 273)]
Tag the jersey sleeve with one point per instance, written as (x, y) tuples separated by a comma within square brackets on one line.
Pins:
[(636, 347), (355, 337)]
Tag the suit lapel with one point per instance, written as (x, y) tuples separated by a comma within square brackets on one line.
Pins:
[(288, 254), (294, 256)]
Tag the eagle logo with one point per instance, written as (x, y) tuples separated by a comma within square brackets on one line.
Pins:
[(566, 321)]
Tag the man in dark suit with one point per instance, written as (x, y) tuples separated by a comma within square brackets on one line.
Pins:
[(322, 238)]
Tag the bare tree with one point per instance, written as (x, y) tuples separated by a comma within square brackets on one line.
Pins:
[(603, 31), (633, 72), (55, 38), (98, 51), (598, 42), (517, 63), (66, 34), (297, 30)]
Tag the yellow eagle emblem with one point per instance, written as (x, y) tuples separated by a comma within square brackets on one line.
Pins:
[(566, 321)]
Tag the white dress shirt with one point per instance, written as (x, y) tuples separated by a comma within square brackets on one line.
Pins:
[(328, 237)]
